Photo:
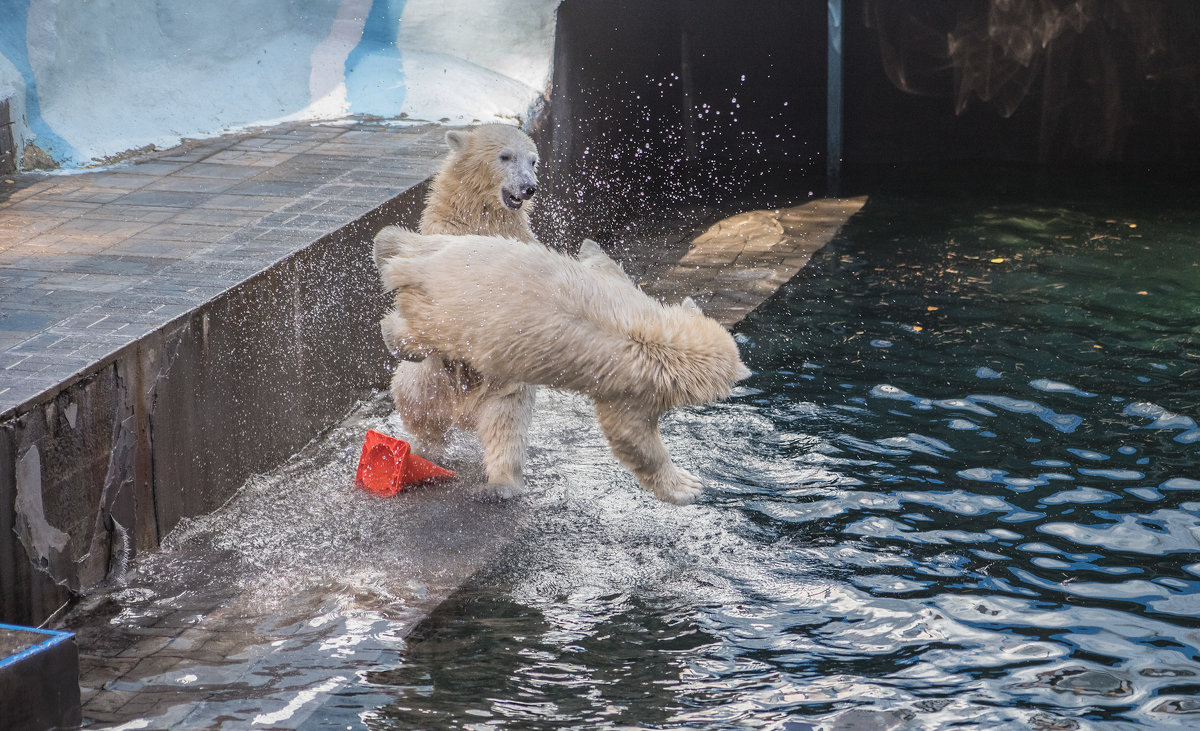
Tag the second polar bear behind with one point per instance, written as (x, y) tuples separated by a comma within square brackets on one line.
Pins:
[(483, 187), (523, 314)]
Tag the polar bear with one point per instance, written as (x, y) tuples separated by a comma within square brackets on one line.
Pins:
[(483, 187), (521, 313)]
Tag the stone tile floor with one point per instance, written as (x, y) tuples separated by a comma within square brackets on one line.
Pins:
[(90, 262)]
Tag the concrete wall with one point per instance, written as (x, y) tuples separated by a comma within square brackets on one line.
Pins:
[(694, 101), (680, 102), (170, 426), (1052, 83), (90, 79)]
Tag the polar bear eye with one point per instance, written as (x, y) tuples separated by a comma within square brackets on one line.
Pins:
[(505, 156)]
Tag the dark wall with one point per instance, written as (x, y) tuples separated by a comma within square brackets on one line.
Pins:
[(643, 109), (1038, 81), (678, 101), (883, 124)]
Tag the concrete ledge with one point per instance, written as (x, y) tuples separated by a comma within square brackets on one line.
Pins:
[(233, 322), (739, 262), (39, 679)]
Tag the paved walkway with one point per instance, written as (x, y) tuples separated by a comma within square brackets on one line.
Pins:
[(91, 262)]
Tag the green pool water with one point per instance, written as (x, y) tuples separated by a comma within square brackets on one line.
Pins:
[(961, 490)]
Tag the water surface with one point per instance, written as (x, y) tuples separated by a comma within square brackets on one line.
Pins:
[(962, 490)]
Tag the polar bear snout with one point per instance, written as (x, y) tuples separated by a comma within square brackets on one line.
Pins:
[(518, 181), (514, 197)]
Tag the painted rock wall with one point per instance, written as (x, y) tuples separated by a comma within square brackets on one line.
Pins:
[(87, 80)]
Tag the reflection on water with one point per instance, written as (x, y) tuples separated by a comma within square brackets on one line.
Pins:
[(963, 489)]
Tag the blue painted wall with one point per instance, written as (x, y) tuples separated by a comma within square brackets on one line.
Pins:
[(89, 79)]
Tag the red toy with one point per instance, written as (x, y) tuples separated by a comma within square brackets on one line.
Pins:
[(387, 464)]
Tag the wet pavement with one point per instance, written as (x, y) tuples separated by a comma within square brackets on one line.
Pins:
[(737, 263), (91, 262), (276, 606)]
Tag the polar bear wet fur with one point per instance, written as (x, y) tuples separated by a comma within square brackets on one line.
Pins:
[(521, 313), (484, 184), (483, 187)]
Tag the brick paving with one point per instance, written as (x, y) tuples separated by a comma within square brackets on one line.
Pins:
[(740, 261), (91, 262)]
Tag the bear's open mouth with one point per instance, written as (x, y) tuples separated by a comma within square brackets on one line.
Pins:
[(511, 200)]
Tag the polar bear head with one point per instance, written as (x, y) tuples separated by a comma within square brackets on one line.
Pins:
[(501, 159)]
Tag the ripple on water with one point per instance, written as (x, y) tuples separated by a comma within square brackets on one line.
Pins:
[(1157, 533), (892, 536), (880, 537)]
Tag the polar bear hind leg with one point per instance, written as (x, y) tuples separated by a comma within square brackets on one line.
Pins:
[(635, 441), (502, 423), (424, 394)]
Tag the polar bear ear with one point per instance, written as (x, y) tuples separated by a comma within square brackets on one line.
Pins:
[(589, 250), (456, 140), (592, 256), (690, 305)]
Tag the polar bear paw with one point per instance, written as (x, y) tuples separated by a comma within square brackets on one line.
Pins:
[(679, 487), (498, 491)]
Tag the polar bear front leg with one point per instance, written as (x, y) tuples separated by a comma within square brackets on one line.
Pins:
[(502, 422), (632, 434)]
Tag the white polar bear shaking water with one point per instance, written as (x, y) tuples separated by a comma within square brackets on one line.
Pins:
[(484, 187), (523, 314)]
